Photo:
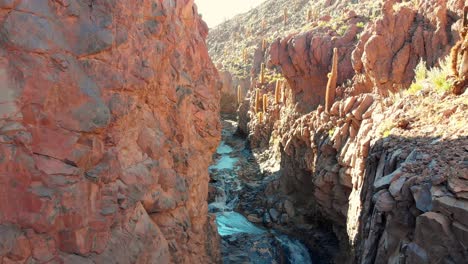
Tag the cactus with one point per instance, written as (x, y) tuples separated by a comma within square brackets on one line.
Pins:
[(283, 92), (239, 94), (265, 103), (264, 24), (285, 16), (278, 92), (260, 117), (332, 79), (262, 74), (264, 45), (309, 15), (257, 100)]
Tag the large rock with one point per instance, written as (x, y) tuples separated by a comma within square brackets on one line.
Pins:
[(108, 118)]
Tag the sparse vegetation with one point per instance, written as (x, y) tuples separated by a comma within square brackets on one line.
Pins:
[(435, 78), (385, 128)]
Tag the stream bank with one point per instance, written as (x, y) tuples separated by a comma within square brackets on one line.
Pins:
[(236, 180)]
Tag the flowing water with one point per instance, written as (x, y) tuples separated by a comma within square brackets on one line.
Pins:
[(232, 225)]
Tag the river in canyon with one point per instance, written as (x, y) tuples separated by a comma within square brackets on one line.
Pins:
[(242, 240)]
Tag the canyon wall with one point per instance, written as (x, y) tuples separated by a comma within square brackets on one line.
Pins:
[(109, 113), (388, 176)]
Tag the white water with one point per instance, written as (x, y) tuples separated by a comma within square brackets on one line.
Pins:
[(230, 222), (225, 163), (296, 251)]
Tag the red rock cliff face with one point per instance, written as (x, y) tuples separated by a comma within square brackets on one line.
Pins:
[(108, 117), (390, 49)]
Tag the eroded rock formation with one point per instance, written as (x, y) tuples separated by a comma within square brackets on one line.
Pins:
[(388, 176), (390, 49), (108, 118)]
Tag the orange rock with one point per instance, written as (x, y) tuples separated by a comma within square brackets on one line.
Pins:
[(101, 103)]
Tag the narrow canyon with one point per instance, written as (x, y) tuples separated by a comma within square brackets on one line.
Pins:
[(328, 131)]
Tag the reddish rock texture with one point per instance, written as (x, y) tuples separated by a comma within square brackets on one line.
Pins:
[(229, 93), (390, 49), (305, 60), (108, 118), (382, 59), (401, 197)]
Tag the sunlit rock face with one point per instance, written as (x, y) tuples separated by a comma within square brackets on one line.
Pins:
[(108, 118)]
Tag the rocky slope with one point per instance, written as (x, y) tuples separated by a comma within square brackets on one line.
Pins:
[(108, 118), (385, 173)]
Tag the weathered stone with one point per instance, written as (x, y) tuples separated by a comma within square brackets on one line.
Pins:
[(416, 254), (289, 208), (433, 233), (384, 202), (102, 105), (385, 181), (396, 188), (363, 106), (274, 214), (451, 206), (461, 233), (422, 196)]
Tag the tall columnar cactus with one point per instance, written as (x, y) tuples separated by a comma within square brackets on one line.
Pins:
[(285, 16), (264, 45), (265, 103), (309, 15), (257, 100), (239, 94), (332, 79), (283, 92), (264, 24), (260, 117), (278, 92), (262, 74)]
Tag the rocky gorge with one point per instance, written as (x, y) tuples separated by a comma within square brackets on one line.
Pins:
[(328, 131), (357, 130)]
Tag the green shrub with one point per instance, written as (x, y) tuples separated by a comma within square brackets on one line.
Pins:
[(436, 77)]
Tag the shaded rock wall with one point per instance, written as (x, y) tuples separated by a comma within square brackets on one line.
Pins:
[(400, 197), (108, 118)]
